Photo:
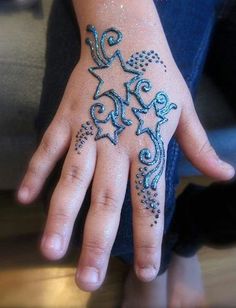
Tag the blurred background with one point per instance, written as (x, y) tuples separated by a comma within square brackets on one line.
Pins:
[(28, 280)]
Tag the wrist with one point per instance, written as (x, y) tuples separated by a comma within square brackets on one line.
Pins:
[(107, 12), (139, 24)]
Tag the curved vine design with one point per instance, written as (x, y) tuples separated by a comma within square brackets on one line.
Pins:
[(117, 117), (162, 107), (135, 85)]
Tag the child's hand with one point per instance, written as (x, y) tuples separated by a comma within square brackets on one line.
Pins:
[(115, 120)]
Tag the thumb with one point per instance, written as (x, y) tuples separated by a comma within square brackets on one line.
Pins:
[(197, 148)]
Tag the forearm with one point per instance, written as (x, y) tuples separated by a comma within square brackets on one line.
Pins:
[(138, 22)]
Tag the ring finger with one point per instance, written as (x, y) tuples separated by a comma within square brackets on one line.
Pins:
[(148, 221)]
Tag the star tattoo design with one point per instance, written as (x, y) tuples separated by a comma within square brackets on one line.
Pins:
[(109, 77), (116, 129), (142, 116), (118, 83)]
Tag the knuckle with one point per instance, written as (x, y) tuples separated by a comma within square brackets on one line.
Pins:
[(106, 202), (206, 148), (61, 124), (96, 247), (148, 253), (60, 119), (47, 146), (73, 175), (148, 247), (73, 107), (140, 211), (60, 216), (33, 168)]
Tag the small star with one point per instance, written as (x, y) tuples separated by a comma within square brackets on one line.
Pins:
[(152, 117), (113, 137), (145, 124)]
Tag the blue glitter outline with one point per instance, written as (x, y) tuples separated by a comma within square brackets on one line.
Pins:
[(103, 61), (145, 156), (127, 85)]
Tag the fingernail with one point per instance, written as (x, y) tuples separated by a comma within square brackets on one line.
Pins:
[(23, 193), (88, 275), (231, 172), (148, 273), (227, 167), (52, 242)]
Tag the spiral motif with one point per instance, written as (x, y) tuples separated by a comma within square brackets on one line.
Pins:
[(112, 41), (135, 85), (144, 85), (94, 46), (98, 50)]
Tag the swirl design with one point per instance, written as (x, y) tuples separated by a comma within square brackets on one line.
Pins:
[(152, 177), (112, 41), (98, 50), (160, 104), (116, 117)]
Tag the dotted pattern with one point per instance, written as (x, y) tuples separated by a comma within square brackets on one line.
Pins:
[(148, 198), (141, 60), (82, 136)]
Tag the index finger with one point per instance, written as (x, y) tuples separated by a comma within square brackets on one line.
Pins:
[(54, 144)]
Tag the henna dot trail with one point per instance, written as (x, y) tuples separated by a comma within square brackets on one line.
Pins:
[(148, 197), (141, 60), (85, 131)]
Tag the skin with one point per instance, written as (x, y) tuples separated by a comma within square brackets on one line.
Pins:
[(185, 285), (150, 294), (110, 166)]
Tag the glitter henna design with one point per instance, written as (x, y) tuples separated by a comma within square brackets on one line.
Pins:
[(141, 60), (148, 197), (86, 130), (103, 71), (134, 84)]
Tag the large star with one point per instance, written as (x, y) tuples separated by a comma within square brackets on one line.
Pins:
[(115, 77)]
